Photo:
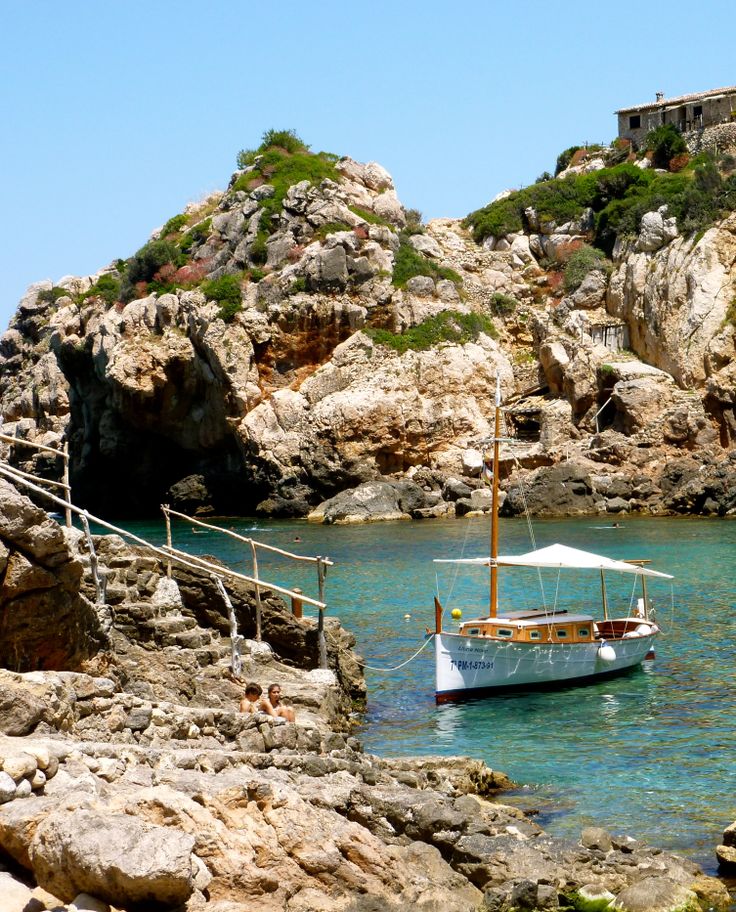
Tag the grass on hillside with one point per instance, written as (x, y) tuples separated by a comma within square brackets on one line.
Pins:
[(447, 326)]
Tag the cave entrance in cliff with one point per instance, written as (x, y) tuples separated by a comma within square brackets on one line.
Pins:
[(525, 422), (606, 414)]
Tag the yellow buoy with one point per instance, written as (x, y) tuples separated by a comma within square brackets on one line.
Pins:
[(456, 613), (407, 617)]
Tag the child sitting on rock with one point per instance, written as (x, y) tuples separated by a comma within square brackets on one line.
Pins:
[(251, 702), (273, 705)]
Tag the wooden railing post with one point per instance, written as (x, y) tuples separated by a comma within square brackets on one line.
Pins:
[(321, 643), (68, 490), (236, 662), (297, 605), (100, 582), (258, 591), (165, 508)]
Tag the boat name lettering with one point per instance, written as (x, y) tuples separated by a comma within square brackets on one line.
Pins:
[(470, 665), (474, 649)]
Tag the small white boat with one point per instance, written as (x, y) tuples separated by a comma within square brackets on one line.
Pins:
[(517, 649)]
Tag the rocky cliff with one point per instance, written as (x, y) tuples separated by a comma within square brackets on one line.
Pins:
[(302, 333)]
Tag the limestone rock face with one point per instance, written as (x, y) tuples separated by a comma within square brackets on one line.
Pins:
[(39, 593), (675, 299), (284, 394), (373, 412)]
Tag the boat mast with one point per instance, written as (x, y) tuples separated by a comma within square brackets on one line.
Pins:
[(493, 611)]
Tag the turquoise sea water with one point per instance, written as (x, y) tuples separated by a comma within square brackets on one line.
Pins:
[(650, 754)]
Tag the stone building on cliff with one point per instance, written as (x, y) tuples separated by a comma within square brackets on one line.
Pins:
[(687, 112)]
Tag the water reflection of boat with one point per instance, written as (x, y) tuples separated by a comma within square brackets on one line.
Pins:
[(541, 647)]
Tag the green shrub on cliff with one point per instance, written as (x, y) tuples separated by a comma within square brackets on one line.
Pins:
[(503, 305), (284, 139), (580, 263), (409, 263), (447, 326), (144, 266), (618, 198), (106, 287), (564, 158), (51, 295), (197, 234), (226, 292), (174, 225), (664, 143)]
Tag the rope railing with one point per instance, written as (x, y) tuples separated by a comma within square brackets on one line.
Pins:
[(167, 554), (166, 509), (64, 485), (297, 598)]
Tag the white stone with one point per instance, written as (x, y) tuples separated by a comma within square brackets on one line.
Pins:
[(426, 245), (14, 895), (7, 788), (167, 595), (19, 765), (41, 753), (656, 230), (23, 788), (322, 676), (38, 780), (472, 462)]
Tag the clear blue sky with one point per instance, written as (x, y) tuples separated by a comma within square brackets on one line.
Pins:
[(116, 114)]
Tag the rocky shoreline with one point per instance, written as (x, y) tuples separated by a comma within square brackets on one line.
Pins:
[(130, 781)]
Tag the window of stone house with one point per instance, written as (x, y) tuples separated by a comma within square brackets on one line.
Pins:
[(697, 111), (634, 121)]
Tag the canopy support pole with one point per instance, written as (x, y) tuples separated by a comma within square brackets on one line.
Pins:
[(604, 597)]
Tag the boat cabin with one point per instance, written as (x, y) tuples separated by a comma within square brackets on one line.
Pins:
[(533, 626)]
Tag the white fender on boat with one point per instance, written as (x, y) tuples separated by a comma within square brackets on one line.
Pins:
[(644, 629), (606, 653)]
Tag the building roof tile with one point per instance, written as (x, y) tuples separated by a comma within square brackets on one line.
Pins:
[(678, 100)]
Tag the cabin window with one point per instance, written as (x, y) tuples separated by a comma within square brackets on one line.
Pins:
[(535, 635), (504, 632), (634, 121), (561, 633), (584, 633), (473, 631)]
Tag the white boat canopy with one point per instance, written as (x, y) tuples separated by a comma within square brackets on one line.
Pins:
[(563, 558)]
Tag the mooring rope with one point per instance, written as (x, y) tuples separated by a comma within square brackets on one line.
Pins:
[(360, 664)]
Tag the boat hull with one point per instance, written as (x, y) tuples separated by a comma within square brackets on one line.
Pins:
[(473, 666)]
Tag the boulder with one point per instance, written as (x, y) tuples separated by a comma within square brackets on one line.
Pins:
[(426, 245), (563, 490), (372, 502), (656, 230), (656, 894), (423, 286), (14, 895), (39, 591), (639, 403), (115, 857)]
